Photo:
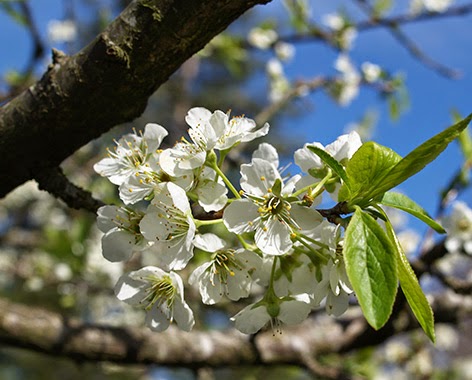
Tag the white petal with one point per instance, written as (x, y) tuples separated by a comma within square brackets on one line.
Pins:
[(218, 121), (183, 316), (295, 311), (276, 240), (154, 134), (174, 254), (306, 218), (179, 197), (306, 159), (259, 133), (154, 225), (251, 319), (212, 196), (156, 319), (239, 215), (268, 153), (258, 177), (106, 216), (130, 290), (337, 305), (113, 169), (134, 190), (209, 242), (118, 245), (197, 115), (344, 146)]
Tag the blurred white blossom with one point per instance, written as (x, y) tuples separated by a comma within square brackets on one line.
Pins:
[(262, 38), (459, 228), (62, 31)]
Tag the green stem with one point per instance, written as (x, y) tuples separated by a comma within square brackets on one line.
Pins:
[(209, 222), (312, 251), (245, 244), (317, 188), (225, 179), (270, 288)]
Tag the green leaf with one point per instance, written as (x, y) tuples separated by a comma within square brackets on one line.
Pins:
[(412, 289), (402, 202), (364, 169), (331, 162), (417, 159), (371, 267)]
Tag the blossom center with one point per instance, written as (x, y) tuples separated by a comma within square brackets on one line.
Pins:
[(160, 290)]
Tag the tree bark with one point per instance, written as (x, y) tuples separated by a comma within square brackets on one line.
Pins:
[(105, 84)]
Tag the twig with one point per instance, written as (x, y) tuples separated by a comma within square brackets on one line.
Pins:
[(56, 183)]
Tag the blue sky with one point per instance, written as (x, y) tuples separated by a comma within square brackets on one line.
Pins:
[(432, 97)]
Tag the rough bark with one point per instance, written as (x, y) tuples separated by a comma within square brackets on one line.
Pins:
[(105, 84), (50, 333)]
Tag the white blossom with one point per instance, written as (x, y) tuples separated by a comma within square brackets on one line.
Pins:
[(349, 81), (227, 273), (207, 131), (160, 293), (62, 31), (121, 236), (459, 228), (371, 71), (342, 149), (279, 84), (211, 193), (266, 208), (262, 38), (333, 21), (284, 51), (169, 224), (287, 310), (438, 6), (133, 154), (230, 132)]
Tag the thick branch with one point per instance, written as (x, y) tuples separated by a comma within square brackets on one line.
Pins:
[(50, 333), (107, 83)]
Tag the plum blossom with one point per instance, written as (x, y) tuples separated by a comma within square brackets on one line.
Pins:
[(211, 192), (227, 273), (207, 131), (262, 38), (459, 228), (279, 84), (122, 235), (333, 283), (341, 150), (438, 6), (169, 224), (349, 80), (268, 208), (134, 154), (62, 31), (160, 293), (287, 310), (295, 274), (284, 51), (371, 71)]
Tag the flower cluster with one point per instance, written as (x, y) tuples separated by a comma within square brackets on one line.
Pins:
[(285, 246)]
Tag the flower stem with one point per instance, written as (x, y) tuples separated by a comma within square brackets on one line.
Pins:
[(209, 222), (317, 190), (225, 179)]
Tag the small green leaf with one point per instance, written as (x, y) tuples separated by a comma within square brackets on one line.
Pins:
[(366, 166), (402, 202), (412, 289), (371, 267), (417, 159), (331, 162)]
